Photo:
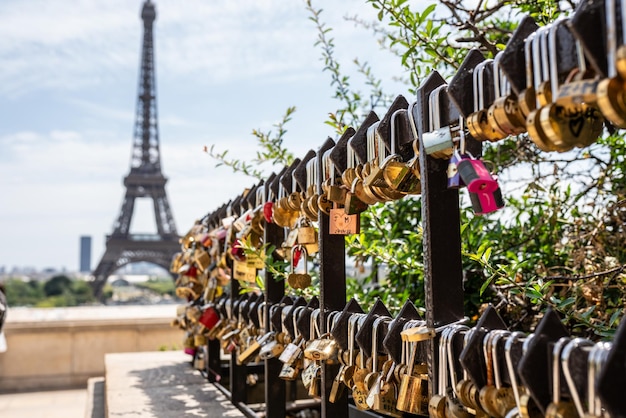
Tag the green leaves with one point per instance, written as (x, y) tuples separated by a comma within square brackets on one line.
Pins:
[(272, 151)]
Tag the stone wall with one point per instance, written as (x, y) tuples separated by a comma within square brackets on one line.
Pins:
[(60, 348)]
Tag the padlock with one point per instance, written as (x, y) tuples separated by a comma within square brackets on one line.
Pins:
[(595, 360), (310, 373), (294, 201), (299, 280), (374, 175), (384, 395), (199, 340), (292, 351), (306, 232), (177, 262), (438, 141), (202, 259), (271, 349), (289, 372), (612, 90), (536, 44), (323, 348), (314, 387), (199, 363), (337, 388), (454, 179), (503, 397), (413, 391), (444, 402), (209, 318), (583, 344), (405, 177), (397, 178), (357, 380), (505, 113), (559, 408), (377, 360), (478, 123), (484, 190), (574, 123)]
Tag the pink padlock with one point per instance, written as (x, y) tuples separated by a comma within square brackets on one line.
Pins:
[(485, 194)]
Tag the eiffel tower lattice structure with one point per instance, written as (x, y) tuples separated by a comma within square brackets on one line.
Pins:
[(145, 180)]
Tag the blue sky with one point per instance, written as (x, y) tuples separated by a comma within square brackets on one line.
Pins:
[(68, 84)]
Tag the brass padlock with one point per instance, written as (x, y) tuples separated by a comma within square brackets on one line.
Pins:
[(199, 363), (325, 348), (199, 340), (569, 123), (271, 349), (612, 90), (413, 392), (306, 233), (501, 398), (558, 407), (289, 372), (478, 123), (299, 280)]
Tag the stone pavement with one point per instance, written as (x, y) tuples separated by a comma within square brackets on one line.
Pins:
[(51, 404), (160, 385)]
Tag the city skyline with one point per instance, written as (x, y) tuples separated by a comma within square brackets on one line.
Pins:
[(68, 96)]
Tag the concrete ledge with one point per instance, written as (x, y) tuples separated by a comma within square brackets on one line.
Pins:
[(94, 408), (160, 384), (63, 347)]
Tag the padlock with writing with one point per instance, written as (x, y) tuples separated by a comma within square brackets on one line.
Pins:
[(290, 372), (570, 122)]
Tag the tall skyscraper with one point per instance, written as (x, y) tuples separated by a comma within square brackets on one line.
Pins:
[(85, 254)]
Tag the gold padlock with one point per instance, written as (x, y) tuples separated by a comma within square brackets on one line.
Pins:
[(299, 280), (558, 407), (612, 90), (306, 233), (569, 123), (324, 348), (413, 392), (270, 350)]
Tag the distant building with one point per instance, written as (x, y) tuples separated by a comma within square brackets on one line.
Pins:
[(85, 254)]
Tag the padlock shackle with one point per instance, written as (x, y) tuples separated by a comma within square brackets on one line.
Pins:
[(576, 343)]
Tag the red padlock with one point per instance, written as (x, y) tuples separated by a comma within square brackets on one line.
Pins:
[(237, 251), (209, 317), (268, 211)]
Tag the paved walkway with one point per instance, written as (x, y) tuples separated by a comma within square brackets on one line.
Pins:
[(52, 404), (138, 385), (161, 385)]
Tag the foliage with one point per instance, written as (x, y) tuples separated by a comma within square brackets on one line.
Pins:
[(57, 285), (23, 293), (272, 150), (161, 286), (560, 240), (58, 291)]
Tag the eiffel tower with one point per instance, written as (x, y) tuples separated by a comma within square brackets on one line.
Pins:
[(145, 180)]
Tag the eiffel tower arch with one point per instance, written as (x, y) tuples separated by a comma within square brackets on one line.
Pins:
[(145, 180)]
